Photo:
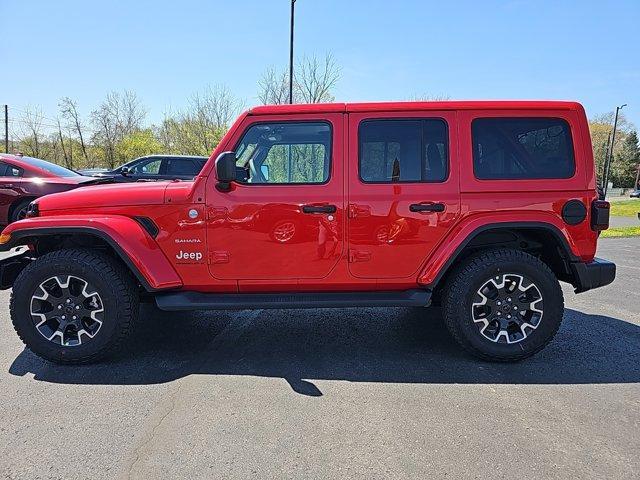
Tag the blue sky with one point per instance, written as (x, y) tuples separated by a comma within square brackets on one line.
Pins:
[(167, 50)]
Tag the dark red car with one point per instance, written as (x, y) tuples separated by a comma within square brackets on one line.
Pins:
[(22, 179)]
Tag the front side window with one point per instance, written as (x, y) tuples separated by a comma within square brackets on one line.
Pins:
[(403, 151), (149, 167), (522, 148), (281, 153)]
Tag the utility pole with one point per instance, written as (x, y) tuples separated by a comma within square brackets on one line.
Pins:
[(6, 128), (604, 160), (613, 141), (293, 8)]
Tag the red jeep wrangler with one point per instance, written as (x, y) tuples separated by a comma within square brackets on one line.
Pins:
[(480, 207)]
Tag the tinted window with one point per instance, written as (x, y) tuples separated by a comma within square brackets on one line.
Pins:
[(51, 167), (403, 150), (521, 148), (182, 166), (277, 153)]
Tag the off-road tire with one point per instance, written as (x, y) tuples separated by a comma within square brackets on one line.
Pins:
[(116, 287), (467, 278)]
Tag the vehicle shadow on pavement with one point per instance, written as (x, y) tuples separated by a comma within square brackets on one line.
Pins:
[(408, 345)]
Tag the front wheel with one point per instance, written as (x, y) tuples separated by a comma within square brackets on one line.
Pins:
[(503, 305), (73, 306), (19, 212)]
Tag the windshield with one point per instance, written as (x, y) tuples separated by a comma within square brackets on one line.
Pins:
[(51, 167)]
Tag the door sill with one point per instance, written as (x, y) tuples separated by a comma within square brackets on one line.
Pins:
[(180, 301)]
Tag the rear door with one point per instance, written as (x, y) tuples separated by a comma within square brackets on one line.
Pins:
[(403, 192)]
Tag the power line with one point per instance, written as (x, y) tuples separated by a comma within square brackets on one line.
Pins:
[(25, 122), (34, 114)]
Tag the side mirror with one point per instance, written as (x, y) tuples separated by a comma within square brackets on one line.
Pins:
[(125, 171), (225, 170)]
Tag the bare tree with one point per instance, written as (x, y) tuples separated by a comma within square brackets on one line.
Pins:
[(68, 160), (131, 112), (32, 130), (117, 116), (429, 97), (217, 104), (211, 112), (274, 87), (607, 118), (315, 79), (198, 129), (69, 111)]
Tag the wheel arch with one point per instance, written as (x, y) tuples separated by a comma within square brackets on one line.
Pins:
[(542, 239), (16, 202), (127, 239)]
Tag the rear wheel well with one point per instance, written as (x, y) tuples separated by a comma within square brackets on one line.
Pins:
[(541, 242)]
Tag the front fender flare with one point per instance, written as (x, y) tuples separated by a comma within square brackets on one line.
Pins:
[(133, 244)]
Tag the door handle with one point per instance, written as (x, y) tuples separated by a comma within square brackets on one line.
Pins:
[(319, 209), (426, 207)]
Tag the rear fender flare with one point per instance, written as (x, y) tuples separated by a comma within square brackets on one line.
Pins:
[(449, 250)]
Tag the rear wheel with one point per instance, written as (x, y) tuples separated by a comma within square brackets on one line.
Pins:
[(73, 306), (503, 305)]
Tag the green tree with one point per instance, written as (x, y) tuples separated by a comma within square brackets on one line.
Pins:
[(600, 128), (198, 128), (625, 164), (138, 144)]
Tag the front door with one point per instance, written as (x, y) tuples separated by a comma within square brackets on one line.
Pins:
[(403, 190), (284, 217)]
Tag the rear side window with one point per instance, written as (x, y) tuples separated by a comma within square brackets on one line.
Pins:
[(522, 148), (182, 166), (409, 150)]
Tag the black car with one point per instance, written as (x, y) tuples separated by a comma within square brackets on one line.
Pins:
[(156, 167)]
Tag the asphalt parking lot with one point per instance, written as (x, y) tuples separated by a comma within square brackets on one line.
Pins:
[(358, 393)]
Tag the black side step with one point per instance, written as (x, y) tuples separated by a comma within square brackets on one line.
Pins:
[(239, 301)]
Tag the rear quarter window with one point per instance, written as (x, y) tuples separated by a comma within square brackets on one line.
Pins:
[(522, 148)]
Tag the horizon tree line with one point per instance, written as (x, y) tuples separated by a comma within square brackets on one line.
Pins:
[(115, 131)]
